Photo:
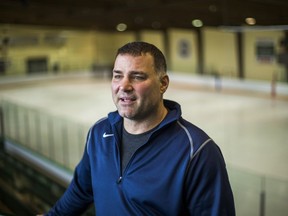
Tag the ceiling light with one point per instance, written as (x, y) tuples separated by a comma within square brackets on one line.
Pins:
[(121, 27), (197, 23), (250, 21)]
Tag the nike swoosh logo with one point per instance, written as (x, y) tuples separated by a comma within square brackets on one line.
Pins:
[(107, 135)]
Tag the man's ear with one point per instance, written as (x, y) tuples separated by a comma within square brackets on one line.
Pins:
[(164, 83)]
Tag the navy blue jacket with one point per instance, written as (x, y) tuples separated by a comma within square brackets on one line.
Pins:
[(179, 171)]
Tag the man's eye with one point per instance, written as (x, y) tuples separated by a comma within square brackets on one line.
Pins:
[(139, 77), (117, 76)]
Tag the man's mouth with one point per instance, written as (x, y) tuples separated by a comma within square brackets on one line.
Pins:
[(127, 99)]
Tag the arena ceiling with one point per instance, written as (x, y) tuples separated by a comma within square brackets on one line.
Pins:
[(142, 14)]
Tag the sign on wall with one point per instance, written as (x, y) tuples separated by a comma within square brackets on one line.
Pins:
[(265, 50), (184, 48)]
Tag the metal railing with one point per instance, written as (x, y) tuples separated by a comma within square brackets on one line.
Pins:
[(56, 138)]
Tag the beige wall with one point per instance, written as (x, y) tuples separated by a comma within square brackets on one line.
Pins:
[(254, 68), (106, 45), (220, 54), (75, 53), (80, 50), (178, 62), (154, 37)]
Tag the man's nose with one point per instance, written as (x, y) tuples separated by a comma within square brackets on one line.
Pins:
[(125, 84)]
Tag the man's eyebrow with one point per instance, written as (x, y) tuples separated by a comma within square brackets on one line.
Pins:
[(137, 72), (117, 71), (130, 72)]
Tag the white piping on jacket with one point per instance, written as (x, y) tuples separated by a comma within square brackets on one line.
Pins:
[(200, 148), (192, 154), (190, 139)]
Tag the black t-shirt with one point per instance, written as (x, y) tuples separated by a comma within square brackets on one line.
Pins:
[(130, 143)]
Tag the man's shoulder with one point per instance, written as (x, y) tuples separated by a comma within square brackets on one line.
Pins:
[(194, 130), (111, 118), (197, 135)]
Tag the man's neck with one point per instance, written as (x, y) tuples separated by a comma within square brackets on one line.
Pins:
[(141, 126)]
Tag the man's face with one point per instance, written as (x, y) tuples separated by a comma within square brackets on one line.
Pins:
[(136, 88)]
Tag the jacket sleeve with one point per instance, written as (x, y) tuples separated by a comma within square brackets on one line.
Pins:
[(78, 195), (208, 191)]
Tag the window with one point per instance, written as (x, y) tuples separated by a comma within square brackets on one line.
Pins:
[(265, 51)]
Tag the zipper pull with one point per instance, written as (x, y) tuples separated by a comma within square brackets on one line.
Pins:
[(119, 180)]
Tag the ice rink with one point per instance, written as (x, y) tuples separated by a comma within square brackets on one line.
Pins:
[(251, 128), (249, 125)]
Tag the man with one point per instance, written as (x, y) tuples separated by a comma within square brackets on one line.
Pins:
[(144, 158)]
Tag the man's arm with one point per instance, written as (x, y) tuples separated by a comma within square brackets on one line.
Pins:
[(208, 189), (78, 195)]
